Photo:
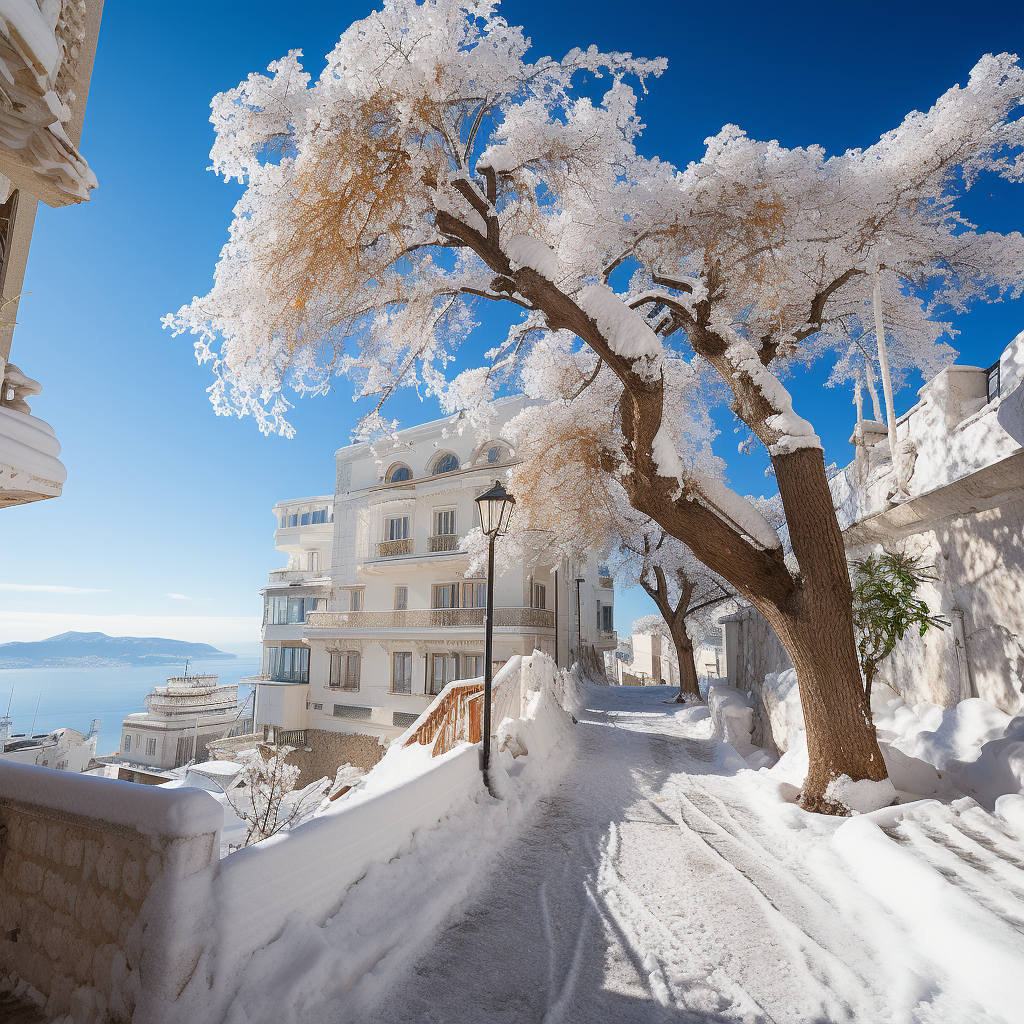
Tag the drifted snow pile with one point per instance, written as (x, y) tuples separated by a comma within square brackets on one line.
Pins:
[(342, 902), (971, 749)]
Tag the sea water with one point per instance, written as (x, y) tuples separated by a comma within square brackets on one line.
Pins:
[(73, 697)]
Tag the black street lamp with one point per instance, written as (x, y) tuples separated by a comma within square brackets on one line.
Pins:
[(579, 620), (495, 511)]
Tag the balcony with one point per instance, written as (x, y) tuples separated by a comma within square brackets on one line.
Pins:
[(213, 701), (392, 548), (606, 581), (444, 542), (433, 618), (298, 576)]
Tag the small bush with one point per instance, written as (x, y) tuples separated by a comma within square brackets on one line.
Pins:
[(886, 605)]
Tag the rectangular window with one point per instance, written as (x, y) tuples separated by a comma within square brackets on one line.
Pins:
[(442, 671), (304, 521), (396, 528), (288, 664), (444, 523), (296, 609), (293, 520), (403, 719), (472, 666), (540, 598), (401, 598), (606, 617), (992, 384), (446, 595), (150, 747), (401, 672), (127, 742), (355, 600), (345, 667), (474, 595)]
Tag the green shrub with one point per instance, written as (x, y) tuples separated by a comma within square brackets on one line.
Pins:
[(886, 605)]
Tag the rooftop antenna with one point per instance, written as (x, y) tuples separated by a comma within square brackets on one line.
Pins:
[(32, 731)]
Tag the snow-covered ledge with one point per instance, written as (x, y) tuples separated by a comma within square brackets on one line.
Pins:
[(29, 467)]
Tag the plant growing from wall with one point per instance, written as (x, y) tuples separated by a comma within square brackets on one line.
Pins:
[(886, 605)]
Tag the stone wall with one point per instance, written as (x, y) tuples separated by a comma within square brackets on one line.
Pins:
[(98, 913), (328, 751), (752, 651)]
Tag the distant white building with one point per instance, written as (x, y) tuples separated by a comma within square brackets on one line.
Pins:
[(180, 719), (64, 749), (375, 612)]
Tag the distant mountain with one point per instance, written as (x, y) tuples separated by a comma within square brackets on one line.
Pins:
[(101, 651)]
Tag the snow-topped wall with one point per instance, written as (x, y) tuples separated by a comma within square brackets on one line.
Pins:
[(116, 906)]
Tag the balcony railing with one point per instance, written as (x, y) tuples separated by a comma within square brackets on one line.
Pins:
[(223, 698), (295, 575), (390, 548), (444, 542), (606, 581), (432, 618)]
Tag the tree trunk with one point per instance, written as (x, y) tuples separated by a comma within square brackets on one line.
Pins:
[(816, 628), (688, 684)]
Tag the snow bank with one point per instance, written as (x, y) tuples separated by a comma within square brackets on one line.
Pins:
[(979, 949), (337, 902), (733, 719), (978, 748), (971, 749)]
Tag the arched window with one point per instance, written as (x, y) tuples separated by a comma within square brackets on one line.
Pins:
[(445, 464), (494, 454), (398, 473)]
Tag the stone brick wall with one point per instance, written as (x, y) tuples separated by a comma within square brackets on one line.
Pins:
[(80, 897), (328, 751)]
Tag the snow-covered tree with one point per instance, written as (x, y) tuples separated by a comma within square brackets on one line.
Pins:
[(266, 799), (432, 165)]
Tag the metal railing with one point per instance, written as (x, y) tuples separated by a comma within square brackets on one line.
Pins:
[(222, 698), (444, 542), (606, 581), (432, 618), (390, 548)]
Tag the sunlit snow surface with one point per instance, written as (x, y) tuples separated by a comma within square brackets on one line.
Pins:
[(657, 878)]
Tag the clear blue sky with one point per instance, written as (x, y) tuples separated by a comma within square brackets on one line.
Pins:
[(163, 498)]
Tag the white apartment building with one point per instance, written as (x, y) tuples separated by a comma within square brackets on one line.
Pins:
[(376, 612), (46, 58)]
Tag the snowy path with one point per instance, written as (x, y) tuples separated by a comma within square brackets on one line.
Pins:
[(654, 883)]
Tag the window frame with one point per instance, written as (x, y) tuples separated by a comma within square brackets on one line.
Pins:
[(404, 606), (444, 458), (341, 673), (454, 591), (406, 657), (450, 514), (404, 532)]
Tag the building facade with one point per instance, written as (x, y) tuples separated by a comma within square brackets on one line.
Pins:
[(377, 609), (46, 57), (180, 720)]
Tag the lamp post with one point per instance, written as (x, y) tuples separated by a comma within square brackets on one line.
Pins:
[(579, 620), (495, 511)]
